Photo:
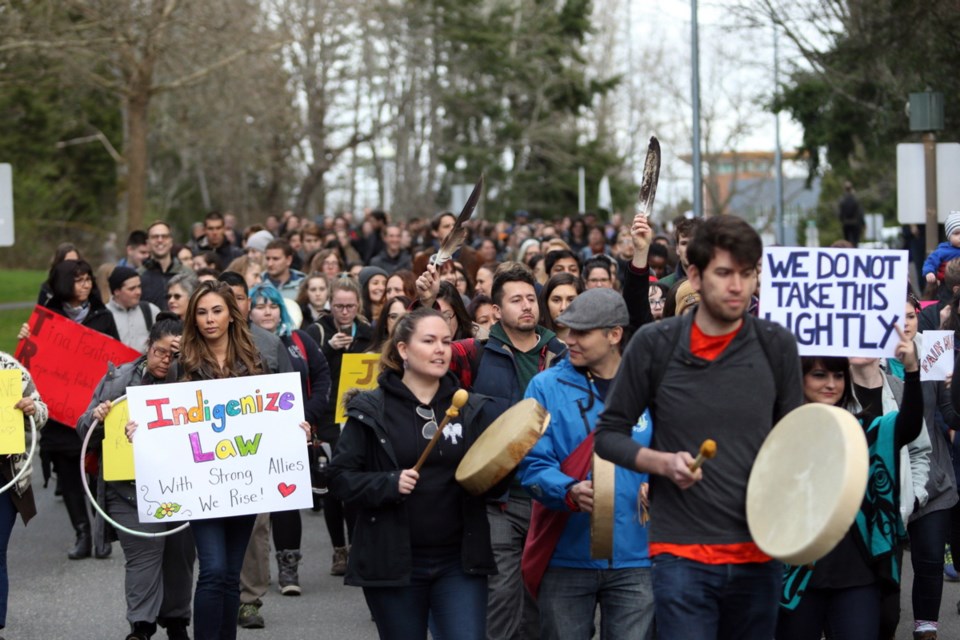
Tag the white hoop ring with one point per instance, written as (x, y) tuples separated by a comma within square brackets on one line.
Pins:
[(33, 449), (100, 510)]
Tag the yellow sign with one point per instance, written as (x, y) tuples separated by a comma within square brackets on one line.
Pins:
[(357, 371), (117, 450), (12, 438)]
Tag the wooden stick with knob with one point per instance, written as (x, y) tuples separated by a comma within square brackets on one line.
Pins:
[(707, 450), (459, 399)]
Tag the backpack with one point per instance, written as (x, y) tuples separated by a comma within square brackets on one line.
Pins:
[(147, 314)]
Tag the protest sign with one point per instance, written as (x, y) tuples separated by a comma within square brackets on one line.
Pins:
[(216, 448), (12, 438), (117, 450), (67, 361), (936, 355), (837, 302), (357, 371)]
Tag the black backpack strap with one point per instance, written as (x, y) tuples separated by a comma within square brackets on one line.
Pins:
[(147, 314), (764, 336), (662, 361)]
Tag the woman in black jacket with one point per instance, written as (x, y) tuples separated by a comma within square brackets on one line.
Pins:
[(73, 294), (421, 548)]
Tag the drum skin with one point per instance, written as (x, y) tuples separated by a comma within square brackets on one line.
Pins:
[(601, 518), (502, 446), (807, 483)]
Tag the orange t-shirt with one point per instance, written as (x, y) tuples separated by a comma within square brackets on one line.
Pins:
[(709, 348)]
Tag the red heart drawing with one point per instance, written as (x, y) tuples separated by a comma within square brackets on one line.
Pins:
[(286, 489)]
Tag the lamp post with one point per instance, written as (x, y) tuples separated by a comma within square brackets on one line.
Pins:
[(695, 98)]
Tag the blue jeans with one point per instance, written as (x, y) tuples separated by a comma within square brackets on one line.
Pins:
[(221, 543), (698, 601), (569, 597), (454, 601), (8, 516)]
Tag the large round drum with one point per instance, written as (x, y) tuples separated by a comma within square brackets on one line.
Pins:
[(502, 446), (601, 518), (807, 483)]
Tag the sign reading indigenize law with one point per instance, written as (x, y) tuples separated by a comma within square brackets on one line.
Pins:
[(215, 448), (837, 302), (67, 360)]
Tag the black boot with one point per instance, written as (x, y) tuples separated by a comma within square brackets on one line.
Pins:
[(81, 549), (176, 628), (142, 631)]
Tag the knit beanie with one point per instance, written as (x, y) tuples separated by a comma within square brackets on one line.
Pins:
[(120, 275), (952, 223)]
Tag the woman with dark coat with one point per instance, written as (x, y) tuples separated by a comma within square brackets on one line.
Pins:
[(421, 549), (74, 295)]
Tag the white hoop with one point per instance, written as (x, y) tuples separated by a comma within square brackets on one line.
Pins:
[(33, 448), (100, 510)]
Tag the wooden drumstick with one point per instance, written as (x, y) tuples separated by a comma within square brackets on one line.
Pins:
[(707, 450), (459, 399)]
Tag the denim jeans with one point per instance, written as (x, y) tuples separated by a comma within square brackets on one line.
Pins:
[(569, 597), (8, 516), (454, 601), (221, 544), (928, 535), (698, 601), (841, 614)]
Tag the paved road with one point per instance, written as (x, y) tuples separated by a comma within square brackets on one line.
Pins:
[(54, 598)]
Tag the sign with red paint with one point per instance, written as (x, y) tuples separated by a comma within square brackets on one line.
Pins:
[(67, 361)]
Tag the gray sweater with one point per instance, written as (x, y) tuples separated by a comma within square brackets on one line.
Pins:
[(733, 400)]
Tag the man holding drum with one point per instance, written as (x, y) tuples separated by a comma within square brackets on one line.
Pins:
[(574, 583), (716, 373)]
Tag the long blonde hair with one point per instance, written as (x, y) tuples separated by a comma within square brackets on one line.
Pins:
[(197, 360)]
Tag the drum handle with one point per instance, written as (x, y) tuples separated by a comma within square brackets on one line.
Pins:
[(459, 399), (707, 450)]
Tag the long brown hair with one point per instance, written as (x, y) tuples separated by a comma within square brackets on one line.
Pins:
[(197, 360)]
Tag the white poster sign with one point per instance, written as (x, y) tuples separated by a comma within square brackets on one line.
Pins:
[(837, 302), (214, 448), (936, 355)]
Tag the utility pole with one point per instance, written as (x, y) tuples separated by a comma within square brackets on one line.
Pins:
[(695, 90)]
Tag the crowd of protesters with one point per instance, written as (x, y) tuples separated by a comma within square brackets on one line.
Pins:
[(639, 340)]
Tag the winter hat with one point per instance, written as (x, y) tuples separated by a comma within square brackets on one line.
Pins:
[(259, 240), (952, 223), (120, 275), (368, 272)]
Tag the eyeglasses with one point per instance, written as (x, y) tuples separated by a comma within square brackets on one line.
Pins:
[(174, 296), (163, 354), (657, 303), (159, 236), (430, 428), (344, 307)]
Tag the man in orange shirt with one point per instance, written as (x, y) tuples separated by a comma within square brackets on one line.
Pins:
[(716, 373)]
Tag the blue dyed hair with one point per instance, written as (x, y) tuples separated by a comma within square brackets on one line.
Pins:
[(269, 293)]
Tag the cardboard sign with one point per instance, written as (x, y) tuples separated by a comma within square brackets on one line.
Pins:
[(837, 302), (12, 438), (216, 448), (936, 355), (117, 450), (357, 371), (67, 361)]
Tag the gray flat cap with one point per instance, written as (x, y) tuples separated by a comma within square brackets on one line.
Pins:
[(596, 309)]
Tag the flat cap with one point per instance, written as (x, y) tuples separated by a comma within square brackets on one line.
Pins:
[(596, 309)]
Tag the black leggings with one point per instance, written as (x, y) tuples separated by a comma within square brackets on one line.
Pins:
[(67, 466), (335, 513), (928, 535), (287, 530), (847, 614)]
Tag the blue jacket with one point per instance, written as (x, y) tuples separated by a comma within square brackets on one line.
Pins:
[(945, 252), (574, 408)]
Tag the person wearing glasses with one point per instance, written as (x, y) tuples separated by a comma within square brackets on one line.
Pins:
[(74, 295), (161, 266), (158, 577), (179, 290), (342, 331), (422, 543), (657, 295)]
